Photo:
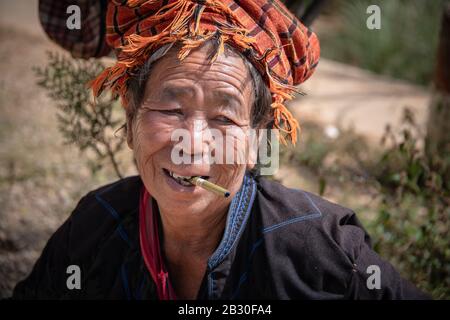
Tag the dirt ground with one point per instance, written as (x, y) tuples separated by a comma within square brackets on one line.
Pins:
[(41, 179)]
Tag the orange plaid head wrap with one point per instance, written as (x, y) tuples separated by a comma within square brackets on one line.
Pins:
[(282, 49)]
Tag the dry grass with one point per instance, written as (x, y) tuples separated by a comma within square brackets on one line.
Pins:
[(41, 179)]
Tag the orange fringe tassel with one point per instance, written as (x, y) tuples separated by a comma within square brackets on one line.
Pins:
[(139, 48)]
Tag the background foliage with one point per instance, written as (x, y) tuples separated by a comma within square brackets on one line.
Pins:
[(403, 48), (410, 221)]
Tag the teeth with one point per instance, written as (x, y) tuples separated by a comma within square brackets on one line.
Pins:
[(184, 183), (181, 179), (177, 176)]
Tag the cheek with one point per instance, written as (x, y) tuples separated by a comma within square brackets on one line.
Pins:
[(150, 135), (230, 176), (237, 146), (235, 158)]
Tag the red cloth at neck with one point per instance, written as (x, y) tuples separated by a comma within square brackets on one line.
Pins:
[(150, 247)]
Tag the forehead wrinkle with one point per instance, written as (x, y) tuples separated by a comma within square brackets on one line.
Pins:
[(232, 69), (201, 68), (205, 62), (209, 68), (243, 82), (197, 76)]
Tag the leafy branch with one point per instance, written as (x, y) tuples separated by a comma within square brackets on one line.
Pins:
[(88, 125)]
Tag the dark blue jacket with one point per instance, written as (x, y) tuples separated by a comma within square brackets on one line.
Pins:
[(279, 243)]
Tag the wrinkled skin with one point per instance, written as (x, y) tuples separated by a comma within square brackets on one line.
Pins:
[(177, 95)]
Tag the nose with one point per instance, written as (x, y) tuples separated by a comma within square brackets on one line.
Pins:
[(198, 144)]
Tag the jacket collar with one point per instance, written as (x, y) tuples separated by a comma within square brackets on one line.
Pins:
[(237, 216)]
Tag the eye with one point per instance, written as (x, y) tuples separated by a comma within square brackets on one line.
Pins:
[(224, 120), (171, 112)]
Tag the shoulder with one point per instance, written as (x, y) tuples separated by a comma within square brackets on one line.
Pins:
[(122, 193), (102, 212), (282, 206), (312, 239), (94, 234), (116, 198)]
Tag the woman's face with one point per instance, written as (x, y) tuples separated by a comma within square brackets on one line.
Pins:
[(197, 100)]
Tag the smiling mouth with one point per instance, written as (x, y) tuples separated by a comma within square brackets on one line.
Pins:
[(182, 180)]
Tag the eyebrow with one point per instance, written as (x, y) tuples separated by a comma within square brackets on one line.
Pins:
[(173, 92), (229, 97)]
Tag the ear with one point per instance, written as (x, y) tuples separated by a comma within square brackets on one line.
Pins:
[(129, 126)]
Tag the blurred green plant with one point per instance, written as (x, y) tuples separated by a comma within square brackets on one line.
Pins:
[(331, 158), (403, 48), (413, 226), (90, 126)]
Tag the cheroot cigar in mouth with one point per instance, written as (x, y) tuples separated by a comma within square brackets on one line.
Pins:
[(201, 181), (183, 180), (205, 184)]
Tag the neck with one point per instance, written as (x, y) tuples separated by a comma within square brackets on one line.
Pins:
[(197, 236), (189, 240)]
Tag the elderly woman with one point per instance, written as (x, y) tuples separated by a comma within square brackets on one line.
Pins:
[(200, 66)]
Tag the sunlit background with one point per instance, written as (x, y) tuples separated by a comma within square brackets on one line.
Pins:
[(369, 140)]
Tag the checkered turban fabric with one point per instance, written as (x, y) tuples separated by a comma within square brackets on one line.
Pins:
[(283, 50), (86, 42)]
